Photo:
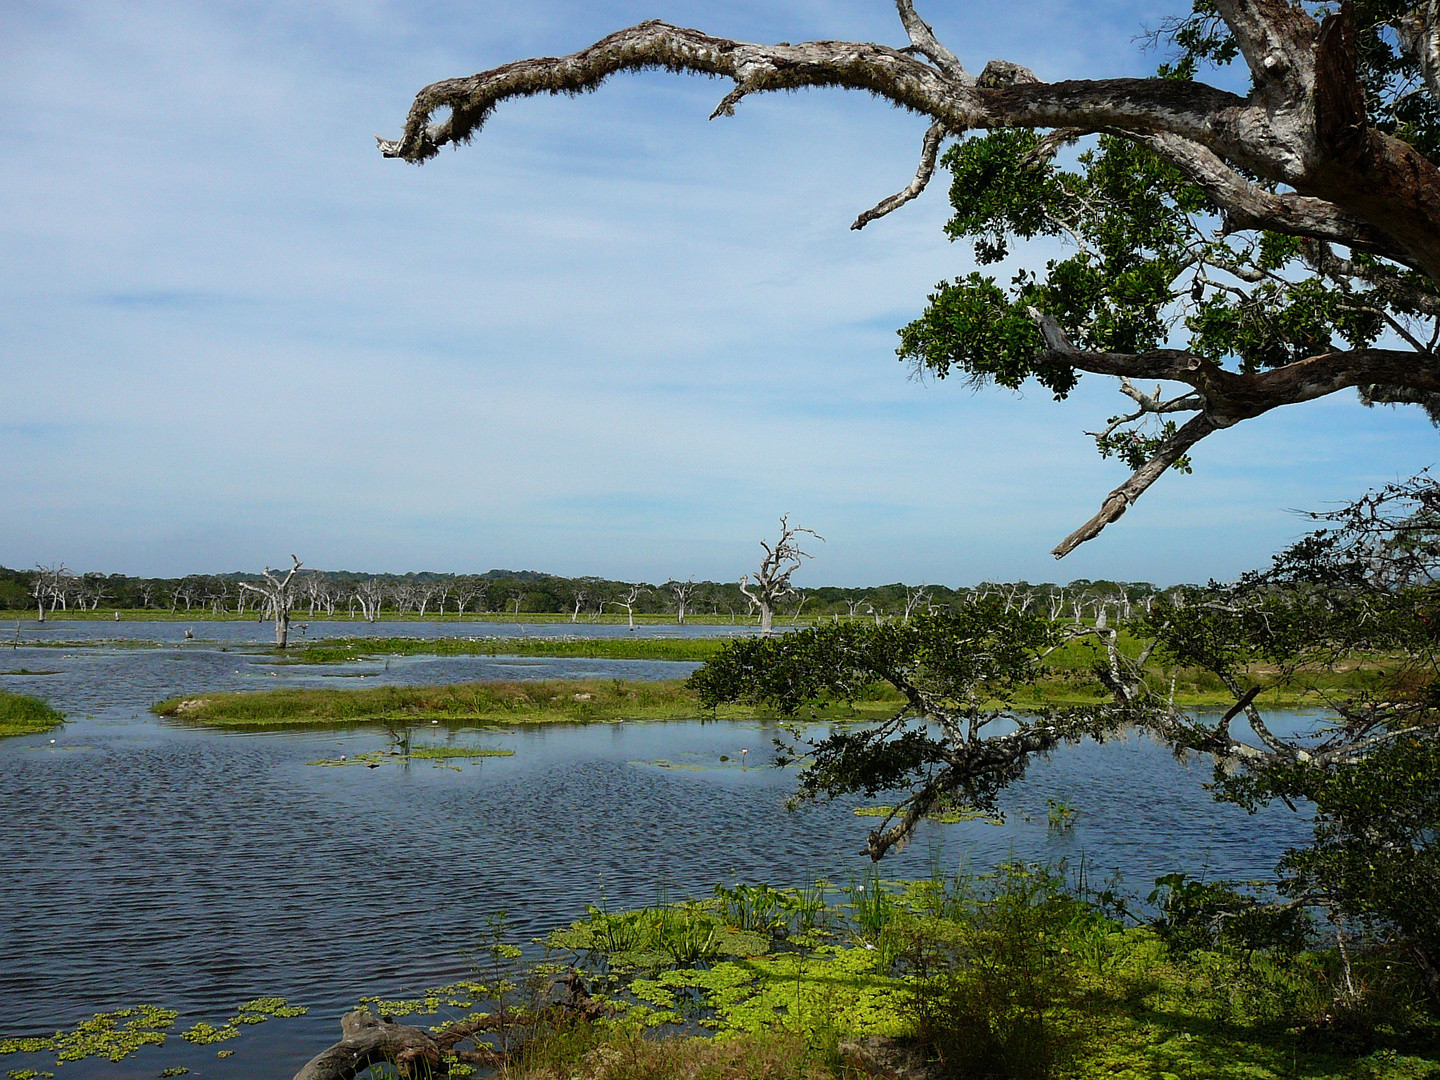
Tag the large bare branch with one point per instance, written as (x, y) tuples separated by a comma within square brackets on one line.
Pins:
[(1296, 139), (1133, 104), (1304, 128)]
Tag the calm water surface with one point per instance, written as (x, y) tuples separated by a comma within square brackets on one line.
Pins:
[(149, 862)]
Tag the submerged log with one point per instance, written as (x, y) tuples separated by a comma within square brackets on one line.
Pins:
[(369, 1040)]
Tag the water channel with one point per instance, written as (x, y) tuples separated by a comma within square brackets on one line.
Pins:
[(149, 861)]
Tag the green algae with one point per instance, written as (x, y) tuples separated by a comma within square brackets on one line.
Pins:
[(113, 1035), (119, 1034)]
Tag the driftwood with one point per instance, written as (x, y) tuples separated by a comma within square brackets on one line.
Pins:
[(369, 1040)]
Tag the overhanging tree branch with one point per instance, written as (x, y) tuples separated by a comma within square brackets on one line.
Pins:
[(1298, 157)]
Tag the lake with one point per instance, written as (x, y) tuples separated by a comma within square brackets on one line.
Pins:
[(148, 861)]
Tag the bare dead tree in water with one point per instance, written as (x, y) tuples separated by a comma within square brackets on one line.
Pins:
[(279, 594), (682, 591)]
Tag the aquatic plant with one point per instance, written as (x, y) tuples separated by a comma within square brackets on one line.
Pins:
[(113, 1035), (1060, 815), (21, 714)]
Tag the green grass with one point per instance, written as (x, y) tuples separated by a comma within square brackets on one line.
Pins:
[(538, 702), (340, 650), (24, 715)]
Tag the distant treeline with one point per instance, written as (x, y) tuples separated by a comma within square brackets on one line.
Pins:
[(343, 592)]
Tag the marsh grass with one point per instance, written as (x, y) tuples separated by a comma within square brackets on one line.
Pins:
[(343, 650), (21, 714), (590, 1051), (483, 703)]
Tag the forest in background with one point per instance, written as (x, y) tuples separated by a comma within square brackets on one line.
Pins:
[(343, 593)]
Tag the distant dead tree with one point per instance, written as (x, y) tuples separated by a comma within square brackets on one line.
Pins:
[(465, 590), (369, 595), (628, 603), (772, 580), (279, 594), (914, 599), (49, 586), (682, 591)]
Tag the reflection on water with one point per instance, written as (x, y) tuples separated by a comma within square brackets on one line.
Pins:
[(196, 869)]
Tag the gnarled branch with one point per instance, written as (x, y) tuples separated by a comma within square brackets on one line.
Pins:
[(928, 151), (923, 40)]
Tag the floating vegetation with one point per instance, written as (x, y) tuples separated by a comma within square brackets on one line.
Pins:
[(113, 1035), (457, 995), (261, 1009), (375, 758), (225, 1053), (27, 671), (117, 1035), (174, 1070), (202, 1034), (666, 763), (943, 816)]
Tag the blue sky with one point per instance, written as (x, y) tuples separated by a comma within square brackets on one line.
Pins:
[(609, 337)]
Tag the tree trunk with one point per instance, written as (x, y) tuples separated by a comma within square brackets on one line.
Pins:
[(282, 627), (371, 1040), (767, 618)]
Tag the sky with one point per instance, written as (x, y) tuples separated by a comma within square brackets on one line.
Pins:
[(608, 337)]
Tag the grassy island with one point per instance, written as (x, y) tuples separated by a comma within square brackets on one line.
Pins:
[(343, 650), (531, 702), (24, 715)]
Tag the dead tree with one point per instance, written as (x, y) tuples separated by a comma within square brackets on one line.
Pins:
[(772, 580), (628, 603), (1316, 150), (279, 594), (370, 595), (914, 599), (49, 587), (682, 591)]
